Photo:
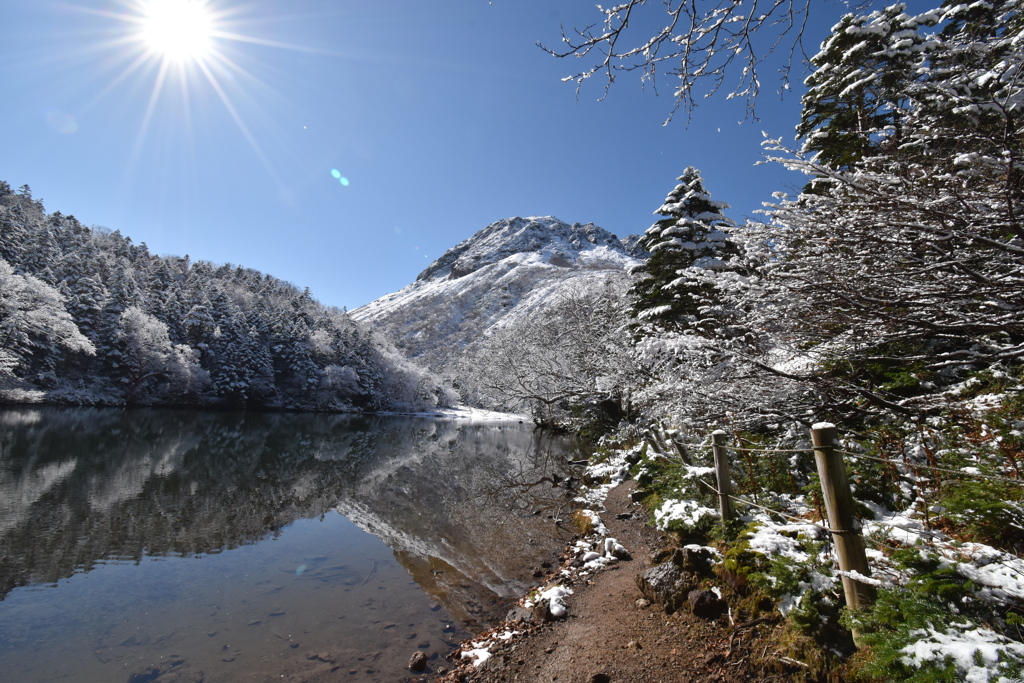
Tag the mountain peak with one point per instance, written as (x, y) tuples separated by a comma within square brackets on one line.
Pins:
[(556, 241), (510, 268)]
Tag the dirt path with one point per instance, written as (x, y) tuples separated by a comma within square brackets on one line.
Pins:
[(610, 637)]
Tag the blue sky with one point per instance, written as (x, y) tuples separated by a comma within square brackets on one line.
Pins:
[(441, 116)]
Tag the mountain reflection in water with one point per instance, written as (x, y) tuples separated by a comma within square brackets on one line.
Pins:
[(466, 509)]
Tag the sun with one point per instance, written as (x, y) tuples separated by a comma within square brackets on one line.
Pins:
[(177, 30)]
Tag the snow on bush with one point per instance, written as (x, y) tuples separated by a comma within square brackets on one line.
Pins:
[(689, 513)]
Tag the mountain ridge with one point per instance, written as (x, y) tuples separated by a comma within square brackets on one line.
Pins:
[(509, 269), (503, 238)]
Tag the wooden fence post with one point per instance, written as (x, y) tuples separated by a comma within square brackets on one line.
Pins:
[(846, 535), (723, 475)]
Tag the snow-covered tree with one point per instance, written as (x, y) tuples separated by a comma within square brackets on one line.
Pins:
[(907, 269), (858, 93), (19, 216), (690, 241), (35, 327), (573, 353), (152, 366)]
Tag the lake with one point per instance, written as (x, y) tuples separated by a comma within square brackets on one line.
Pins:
[(174, 546)]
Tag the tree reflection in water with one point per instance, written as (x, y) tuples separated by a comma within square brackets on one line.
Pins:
[(466, 509)]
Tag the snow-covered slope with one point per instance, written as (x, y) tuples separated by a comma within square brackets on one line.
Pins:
[(508, 269)]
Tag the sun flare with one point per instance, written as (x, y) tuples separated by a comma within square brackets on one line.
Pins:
[(179, 30)]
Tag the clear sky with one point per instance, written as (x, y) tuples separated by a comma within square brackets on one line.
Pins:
[(342, 145)]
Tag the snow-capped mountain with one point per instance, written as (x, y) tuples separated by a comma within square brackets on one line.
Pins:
[(508, 269)]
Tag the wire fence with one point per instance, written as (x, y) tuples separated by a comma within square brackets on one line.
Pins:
[(889, 461), (895, 464)]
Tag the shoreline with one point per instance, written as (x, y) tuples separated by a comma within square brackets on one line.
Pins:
[(610, 632)]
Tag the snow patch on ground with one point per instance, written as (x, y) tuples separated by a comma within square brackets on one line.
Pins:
[(595, 522), (776, 540), (976, 652), (466, 413), (611, 472)]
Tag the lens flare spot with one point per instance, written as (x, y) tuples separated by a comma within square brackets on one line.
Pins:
[(343, 180), (336, 173), (300, 569), (60, 121)]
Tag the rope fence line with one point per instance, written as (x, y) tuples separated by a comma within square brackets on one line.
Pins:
[(815, 523), (769, 510), (888, 461), (844, 535), (936, 468), (839, 522), (769, 450)]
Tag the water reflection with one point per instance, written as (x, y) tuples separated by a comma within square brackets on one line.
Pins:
[(79, 486), (465, 509)]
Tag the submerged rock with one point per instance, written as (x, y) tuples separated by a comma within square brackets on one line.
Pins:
[(418, 661)]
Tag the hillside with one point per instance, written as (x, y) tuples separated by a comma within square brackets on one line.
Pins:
[(87, 317)]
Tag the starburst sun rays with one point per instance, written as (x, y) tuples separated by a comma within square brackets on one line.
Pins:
[(193, 44)]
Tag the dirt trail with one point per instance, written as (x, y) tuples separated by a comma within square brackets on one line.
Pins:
[(609, 637)]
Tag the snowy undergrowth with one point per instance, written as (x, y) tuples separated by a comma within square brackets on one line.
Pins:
[(942, 544)]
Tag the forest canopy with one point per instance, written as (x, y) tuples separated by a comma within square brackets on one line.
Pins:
[(90, 318)]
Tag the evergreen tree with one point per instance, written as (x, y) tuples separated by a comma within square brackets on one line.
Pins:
[(20, 217), (689, 242), (234, 361), (86, 298), (857, 97)]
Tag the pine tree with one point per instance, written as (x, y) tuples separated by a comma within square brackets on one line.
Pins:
[(20, 217), (690, 239), (857, 97), (86, 297)]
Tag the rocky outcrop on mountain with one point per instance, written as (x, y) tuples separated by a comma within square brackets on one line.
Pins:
[(511, 268), (560, 243)]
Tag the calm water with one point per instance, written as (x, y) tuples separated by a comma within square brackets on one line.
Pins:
[(183, 546)]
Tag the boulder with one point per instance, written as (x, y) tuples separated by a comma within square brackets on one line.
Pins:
[(612, 548), (706, 604), (520, 614), (638, 495), (665, 585), (694, 559)]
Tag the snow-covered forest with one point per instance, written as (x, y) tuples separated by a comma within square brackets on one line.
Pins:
[(89, 318), (885, 297)]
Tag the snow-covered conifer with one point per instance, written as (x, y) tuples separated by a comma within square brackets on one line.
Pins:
[(685, 245)]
